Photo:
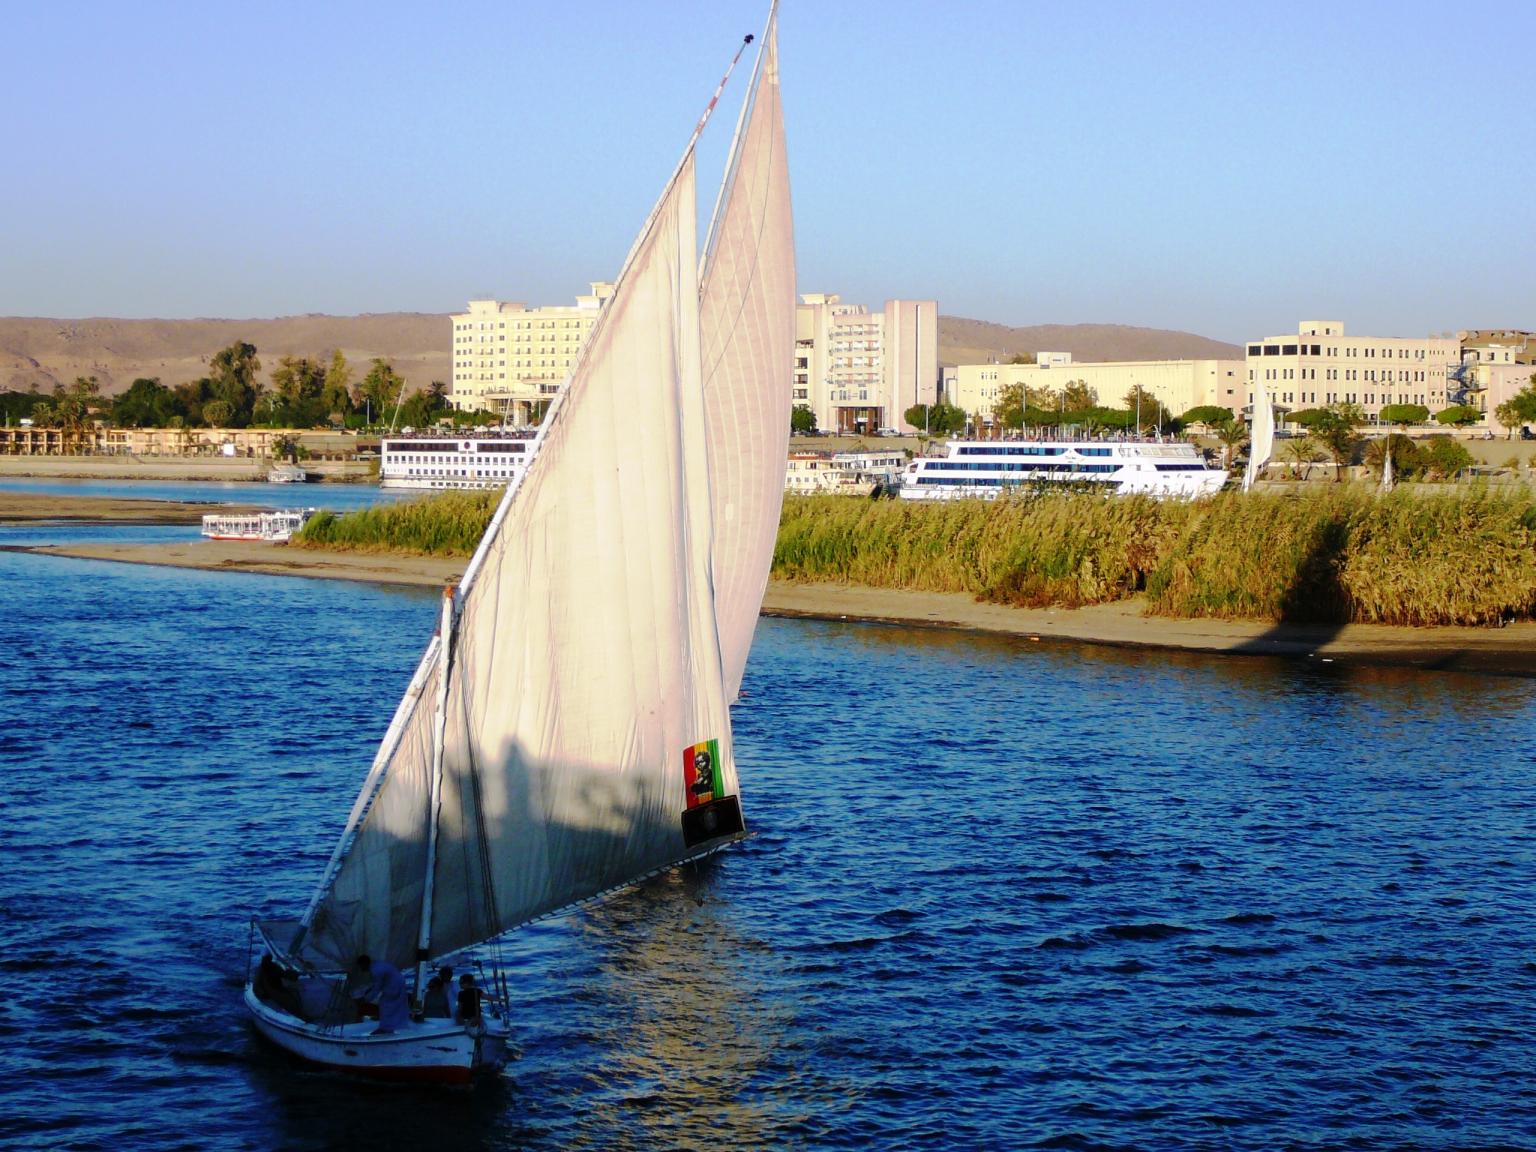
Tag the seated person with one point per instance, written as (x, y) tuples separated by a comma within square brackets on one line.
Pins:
[(276, 986), (468, 1011), (434, 1002)]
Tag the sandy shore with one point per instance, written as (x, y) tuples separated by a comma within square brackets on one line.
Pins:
[(32, 508), (1509, 650)]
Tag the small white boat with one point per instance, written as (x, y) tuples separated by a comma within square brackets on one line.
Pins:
[(985, 468), (287, 474), (269, 527)]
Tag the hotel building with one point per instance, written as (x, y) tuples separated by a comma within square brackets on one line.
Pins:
[(1320, 365), (860, 370), (1179, 384), (511, 359)]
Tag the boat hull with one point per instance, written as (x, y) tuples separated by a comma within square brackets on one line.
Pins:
[(431, 1052)]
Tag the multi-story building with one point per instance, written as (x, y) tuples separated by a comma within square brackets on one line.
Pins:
[(1179, 384), (860, 370), (511, 359), (1320, 365)]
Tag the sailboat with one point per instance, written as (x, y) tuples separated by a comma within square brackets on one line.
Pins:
[(1261, 437), (567, 731), (1387, 482)]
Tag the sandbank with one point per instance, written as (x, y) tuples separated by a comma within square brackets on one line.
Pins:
[(42, 507), (1508, 651)]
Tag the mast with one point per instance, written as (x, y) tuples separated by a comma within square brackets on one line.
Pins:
[(439, 723), (735, 151)]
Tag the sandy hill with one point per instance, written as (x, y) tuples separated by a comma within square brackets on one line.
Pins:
[(116, 352), (964, 341), (42, 353)]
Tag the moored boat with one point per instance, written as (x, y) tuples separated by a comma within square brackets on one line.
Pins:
[(271, 527), (429, 461), (985, 468)]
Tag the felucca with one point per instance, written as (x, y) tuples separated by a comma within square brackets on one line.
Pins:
[(567, 731)]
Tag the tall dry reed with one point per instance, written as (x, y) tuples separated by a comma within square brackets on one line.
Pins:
[(443, 524)]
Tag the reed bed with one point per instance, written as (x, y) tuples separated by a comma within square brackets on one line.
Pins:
[(444, 524), (1339, 555), (1068, 548), (1465, 555)]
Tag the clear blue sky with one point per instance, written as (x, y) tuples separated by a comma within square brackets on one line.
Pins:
[(1212, 167)]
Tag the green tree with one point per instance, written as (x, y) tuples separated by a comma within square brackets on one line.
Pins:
[(190, 398), (1458, 415), (939, 420), (1405, 415), (145, 404), (16, 406), (1444, 457), (1023, 358), (1335, 430), (802, 420), (1407, 459), (1233, 435), (1305, 417), (336, 394), (1302, 452), (380, 389), (1152, 412), (232, 379), (1211, 415), (218, 413), (71, 407), (1519, 408), (1078, 397), (297, 385)]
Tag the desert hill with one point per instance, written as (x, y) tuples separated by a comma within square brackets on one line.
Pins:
[(45, 352), (40, 353), (964, 341)]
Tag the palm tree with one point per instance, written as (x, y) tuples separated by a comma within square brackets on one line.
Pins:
[(1233, 434), (1302, 452)]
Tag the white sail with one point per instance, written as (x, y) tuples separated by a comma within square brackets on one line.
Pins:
[(584, 675), (1386, 465), (1261, 436), (370, 899), (748, 322)]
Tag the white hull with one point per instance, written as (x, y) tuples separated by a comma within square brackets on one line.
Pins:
[(983, 469), (433, 1051), (440, 485)]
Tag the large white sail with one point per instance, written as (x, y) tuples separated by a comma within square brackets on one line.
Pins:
[(1261, 436), (584, 696), (748, 324)]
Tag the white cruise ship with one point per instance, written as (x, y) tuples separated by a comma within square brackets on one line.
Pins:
[(985, 468), (485, 460)]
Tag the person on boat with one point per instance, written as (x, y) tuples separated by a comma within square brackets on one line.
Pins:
[(468, 1012), (434, 1002), (387, 990), (276, 985)]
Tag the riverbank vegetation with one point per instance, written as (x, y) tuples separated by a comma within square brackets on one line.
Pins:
[(1340, 555), (1332, 555), (447, 524)]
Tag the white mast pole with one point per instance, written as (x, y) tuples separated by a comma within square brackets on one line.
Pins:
[(741, 119), (439, 726)]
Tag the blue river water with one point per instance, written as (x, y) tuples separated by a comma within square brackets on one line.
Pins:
[(336, 497), (1002, 895)]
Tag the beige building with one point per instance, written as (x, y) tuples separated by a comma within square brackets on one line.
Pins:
[(860, 370), (511, 359), (1179, 384), (1321, 365)]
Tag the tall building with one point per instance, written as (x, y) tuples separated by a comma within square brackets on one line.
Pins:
[(1179, 384), (511, 359), (860, 370), (1320, 365)]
